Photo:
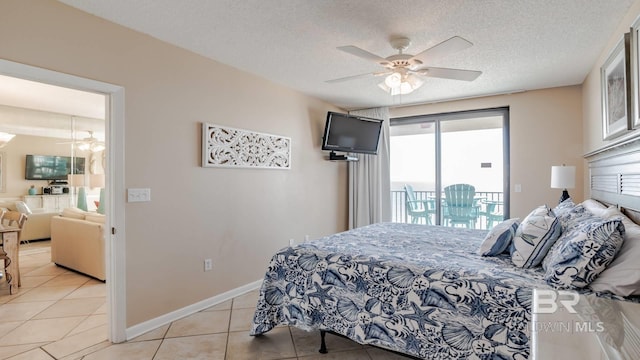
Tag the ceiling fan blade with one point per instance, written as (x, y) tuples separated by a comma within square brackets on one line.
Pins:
[(446, 73), (354, 50), (360, 76), (443, 49)]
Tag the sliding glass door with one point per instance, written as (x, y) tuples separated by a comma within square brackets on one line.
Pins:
[(451, 169)]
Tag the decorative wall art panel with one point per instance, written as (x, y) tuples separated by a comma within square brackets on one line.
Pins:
[(224, 146)]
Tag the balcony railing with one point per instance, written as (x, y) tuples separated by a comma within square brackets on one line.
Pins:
[(487, 216)]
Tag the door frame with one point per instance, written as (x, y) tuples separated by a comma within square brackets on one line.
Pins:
[(460, 115), (114, 171)]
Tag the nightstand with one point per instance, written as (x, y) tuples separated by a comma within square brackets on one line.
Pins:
[(567, 325)]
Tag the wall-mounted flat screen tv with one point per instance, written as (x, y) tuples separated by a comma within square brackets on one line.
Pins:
[(349, 133), (51, 167)]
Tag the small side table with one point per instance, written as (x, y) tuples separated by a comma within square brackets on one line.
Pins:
[(11, 247), (566, 325)]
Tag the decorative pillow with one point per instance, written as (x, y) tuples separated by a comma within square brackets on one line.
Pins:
[(74, 213), (23, 208), (622, 276), (583, 252), (568, 220), (573, 216), (564, 207), (499, 238), (535, 235)]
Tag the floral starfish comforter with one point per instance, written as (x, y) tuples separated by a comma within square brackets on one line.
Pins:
[(415, 289)]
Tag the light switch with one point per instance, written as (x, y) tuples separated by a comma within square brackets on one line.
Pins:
[(518, 187), (139, 195)]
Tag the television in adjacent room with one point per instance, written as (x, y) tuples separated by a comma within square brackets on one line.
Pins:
[(52, 167), (352, 134)]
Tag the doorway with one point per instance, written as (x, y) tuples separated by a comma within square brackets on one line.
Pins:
[(451, 169), (114, 180)]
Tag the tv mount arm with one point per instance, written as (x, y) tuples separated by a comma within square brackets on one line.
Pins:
[(335, 157)]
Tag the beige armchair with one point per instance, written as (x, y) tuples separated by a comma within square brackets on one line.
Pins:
[(78, 244)]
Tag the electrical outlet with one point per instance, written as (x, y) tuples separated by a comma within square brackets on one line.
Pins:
[(208, 264), (292, 242)]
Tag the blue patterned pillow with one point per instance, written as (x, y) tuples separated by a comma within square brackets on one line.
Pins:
[(583, 252), (561, 210), (499, 238), (569, 220), (535, 235), (571, 217)]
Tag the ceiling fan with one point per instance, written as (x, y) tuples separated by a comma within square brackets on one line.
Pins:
[(88, 143), (404, 71)]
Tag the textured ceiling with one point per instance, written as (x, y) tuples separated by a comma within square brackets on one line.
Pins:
[(518, 45)]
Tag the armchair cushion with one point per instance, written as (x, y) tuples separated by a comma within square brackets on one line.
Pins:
[(74, 213)]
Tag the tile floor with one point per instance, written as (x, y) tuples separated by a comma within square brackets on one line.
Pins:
[(59, 314)]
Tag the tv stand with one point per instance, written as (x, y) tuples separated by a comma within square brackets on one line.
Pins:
[(335, 157)]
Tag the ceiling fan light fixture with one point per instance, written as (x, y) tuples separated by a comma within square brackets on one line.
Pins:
[(393, 80), (405, 86)]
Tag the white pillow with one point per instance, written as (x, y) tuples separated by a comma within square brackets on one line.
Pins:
[(595, 207), (23, 208), (499, 238), (622, 276), (535, 235)]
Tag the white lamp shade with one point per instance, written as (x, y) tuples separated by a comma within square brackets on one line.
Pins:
[(75, 179), (96, 180), (563, 177)]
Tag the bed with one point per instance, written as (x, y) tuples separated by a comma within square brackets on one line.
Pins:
[(415, 289), (418, 290)]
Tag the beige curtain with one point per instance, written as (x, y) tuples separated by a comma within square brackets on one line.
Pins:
[(369, 179)]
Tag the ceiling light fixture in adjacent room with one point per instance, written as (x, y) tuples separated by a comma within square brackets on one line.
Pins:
[(5, 138), (94, 146)]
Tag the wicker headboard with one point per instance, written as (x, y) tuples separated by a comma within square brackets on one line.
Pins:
[(614, 177)]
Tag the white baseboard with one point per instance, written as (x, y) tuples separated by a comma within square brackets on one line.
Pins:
[(152, 324)]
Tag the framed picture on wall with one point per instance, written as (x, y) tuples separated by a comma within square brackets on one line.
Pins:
[(635, 74), (616, 90)]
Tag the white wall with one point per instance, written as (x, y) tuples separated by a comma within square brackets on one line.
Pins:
[(237, 217)]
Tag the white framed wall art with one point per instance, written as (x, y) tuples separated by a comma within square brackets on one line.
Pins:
[(224, 146)]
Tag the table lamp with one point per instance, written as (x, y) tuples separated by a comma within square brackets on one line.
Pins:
[(77, 180), (563, 177), (97, 181)]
